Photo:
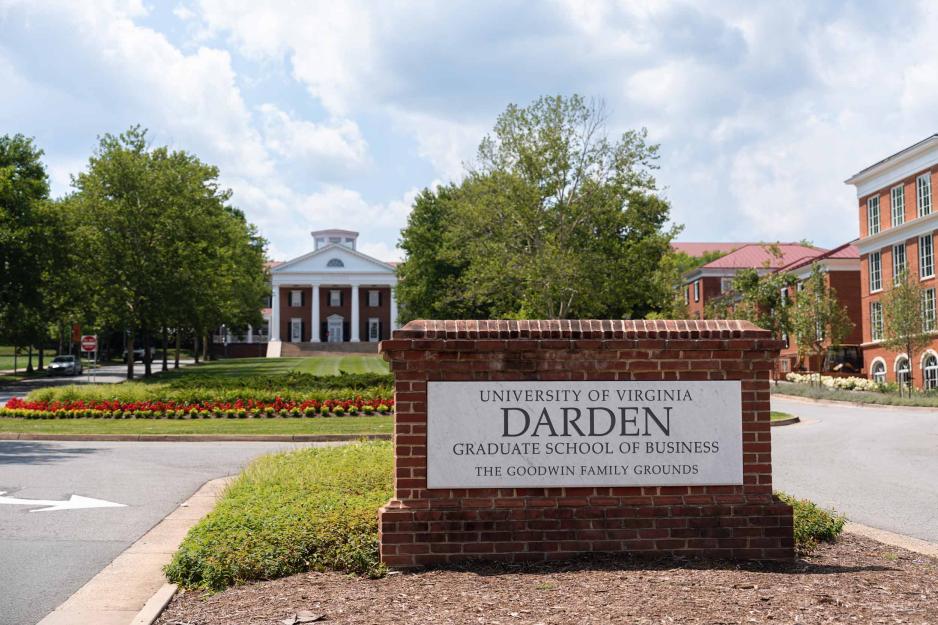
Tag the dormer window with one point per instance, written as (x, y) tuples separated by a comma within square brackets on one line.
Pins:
[(335, 262)]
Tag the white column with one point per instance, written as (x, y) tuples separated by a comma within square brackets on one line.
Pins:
[(314, 335), (393, 307), (250, 333), (355, 320), (275, 314)]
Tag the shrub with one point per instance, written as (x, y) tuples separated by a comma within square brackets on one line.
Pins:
[(813, 525), (312, 509)]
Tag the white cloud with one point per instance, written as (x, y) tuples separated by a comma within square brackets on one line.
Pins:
[(336, 144)]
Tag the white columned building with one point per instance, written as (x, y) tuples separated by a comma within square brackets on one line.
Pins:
[(334, 294)]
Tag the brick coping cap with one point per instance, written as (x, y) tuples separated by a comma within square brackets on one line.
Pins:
[(579, 329)]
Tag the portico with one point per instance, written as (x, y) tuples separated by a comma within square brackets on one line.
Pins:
[(334, 294)]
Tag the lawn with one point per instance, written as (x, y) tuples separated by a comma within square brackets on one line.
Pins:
[(327, 364), (6, 358), (780, 416), (376, 424)]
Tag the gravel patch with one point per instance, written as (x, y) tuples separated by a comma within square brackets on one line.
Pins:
[(856, 580)]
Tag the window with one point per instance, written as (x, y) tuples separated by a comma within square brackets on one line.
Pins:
[(335, 239), (902, 371), (898, 261), (335, 262), (687, 295), (897, 197), (928, 310), (923, 186), (926, 257), (296, 298), (930, 369), (800, 286), (876, 272), (872, 215), (335, 297), (876, 321), (726, 285), (879, 372), (783, 295), (696, 290), (374, 298)]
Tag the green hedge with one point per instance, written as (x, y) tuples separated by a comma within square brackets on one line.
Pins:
[(813, 525), (312, 509)]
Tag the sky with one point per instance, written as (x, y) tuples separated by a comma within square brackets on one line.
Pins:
[(337, 113)]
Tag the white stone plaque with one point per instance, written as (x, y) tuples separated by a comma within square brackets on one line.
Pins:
[(553, 434)]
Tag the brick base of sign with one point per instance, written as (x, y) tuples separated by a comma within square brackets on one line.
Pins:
[(422, 526)]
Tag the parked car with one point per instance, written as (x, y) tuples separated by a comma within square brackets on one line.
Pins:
[(138, 354), (65, 365)]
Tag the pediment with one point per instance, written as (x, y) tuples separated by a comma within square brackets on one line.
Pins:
[(333, 258)]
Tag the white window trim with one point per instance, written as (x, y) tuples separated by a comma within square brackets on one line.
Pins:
[(905, 261), (870, 204), (335, 298), (893, 204), (873, 325), (696, 290), (296, 298), (374, 294), (931, 254), (919, 194), (878, 273), (928, 316), (881, 361)]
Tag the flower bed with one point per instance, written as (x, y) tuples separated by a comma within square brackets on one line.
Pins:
[(239, 409), (844, 383)]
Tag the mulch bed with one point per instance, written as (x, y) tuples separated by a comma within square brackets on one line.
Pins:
[(855, 580)]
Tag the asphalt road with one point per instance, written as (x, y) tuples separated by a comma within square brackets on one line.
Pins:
[(877, 465), (46, 556), (108, 374)]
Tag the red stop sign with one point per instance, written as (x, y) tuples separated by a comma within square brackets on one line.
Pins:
[(89, 343)]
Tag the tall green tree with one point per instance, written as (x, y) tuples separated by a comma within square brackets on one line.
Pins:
[(903, 320), (556, 221), (818, 319), (757, 296)]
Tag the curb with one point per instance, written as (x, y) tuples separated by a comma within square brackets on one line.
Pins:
[(131, 589), (854, 404), (781, 422), (896, 540), (155, 605), (194, 438)]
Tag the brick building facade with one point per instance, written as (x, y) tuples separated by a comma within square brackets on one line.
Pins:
[(898, 221)]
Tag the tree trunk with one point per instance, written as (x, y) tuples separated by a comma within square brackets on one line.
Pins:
[(178, 344), (165, 349), (15, 350), (29, 364), (195, 345), (205, 348), (41, 360), (147, 355), (129, 341)]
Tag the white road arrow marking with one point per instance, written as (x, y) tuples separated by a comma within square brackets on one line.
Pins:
[(75, 502)]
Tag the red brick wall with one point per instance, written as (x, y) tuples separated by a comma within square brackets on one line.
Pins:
[(425, 527), (709, 288), (382, 312), (288, 312)]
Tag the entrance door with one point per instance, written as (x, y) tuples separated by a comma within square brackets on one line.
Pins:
[(374, 330), (296, 330), (335, 329)]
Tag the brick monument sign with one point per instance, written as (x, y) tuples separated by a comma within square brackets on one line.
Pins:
[(537, 440)]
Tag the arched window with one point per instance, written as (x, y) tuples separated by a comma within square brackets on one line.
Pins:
[(335, 262), (902, 371), (879, 372), (930, 369)]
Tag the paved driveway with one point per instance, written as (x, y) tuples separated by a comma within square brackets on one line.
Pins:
[(877, 465), (46, 556)]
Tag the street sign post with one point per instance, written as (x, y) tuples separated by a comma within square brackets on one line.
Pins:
[(89, 343)]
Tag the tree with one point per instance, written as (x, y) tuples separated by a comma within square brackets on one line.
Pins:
[(818, 319), (557, 221), (903, 320), (669, 277), (759, 299)]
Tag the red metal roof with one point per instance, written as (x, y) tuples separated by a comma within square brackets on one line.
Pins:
[(757, 255), (847, 250), (693, 248)]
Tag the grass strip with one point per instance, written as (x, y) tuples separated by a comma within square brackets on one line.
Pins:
[(313, 509), (781, 416), (312, 426), (928, 400)]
